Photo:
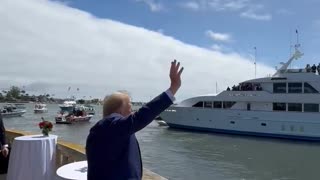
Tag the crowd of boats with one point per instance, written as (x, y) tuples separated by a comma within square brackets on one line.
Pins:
[(70, 112)]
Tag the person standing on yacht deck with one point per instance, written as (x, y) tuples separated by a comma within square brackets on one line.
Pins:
[(112, 149), (314, 68), (318, 69)]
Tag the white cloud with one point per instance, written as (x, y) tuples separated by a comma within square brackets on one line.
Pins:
[(51, 46), (192, 5), (217, 5), (253, 15), (228, 5), (247, 8), (224, 37), (216, 47), (64, 2), (236, 5), (221, 48), (161, 31), (154, 6)]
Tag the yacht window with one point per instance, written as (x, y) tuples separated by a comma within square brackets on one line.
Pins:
[(279, 87), (228, 104), (309, 89), (279, 106), (217, 104), (295, 107), (295, 87), (208, 104), (248, 107), (198, 104), (311, 107)]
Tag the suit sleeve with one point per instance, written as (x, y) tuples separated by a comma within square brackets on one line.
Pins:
[(144, 116), (2, 133)]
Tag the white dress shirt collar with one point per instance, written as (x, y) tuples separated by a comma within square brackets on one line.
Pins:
[(114, 115)]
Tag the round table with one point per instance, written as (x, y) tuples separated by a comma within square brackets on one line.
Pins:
[(73, 171), (33, 157)]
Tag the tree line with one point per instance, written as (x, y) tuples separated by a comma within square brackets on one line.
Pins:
[(16, 94)]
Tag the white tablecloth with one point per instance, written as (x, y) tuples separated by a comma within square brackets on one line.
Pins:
[(33, 158), (73, 171)]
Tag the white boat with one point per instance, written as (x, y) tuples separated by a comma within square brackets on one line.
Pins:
[(70, 119), (67, 106), (10, 110), (162, 123), (88, 109), (13, 114), (40, 108), (285, 105)]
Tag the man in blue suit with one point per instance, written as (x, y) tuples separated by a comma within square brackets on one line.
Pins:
[(4, 151), (112, 149)]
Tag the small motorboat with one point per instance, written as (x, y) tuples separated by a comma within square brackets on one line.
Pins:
[(70, 118), (40, 108), (12, 111), (87, 108), (162, 123)]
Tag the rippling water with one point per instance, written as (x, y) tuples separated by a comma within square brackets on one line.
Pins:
[(186, 155)]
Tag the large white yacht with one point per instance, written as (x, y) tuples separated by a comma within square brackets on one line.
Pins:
[(285, 105)]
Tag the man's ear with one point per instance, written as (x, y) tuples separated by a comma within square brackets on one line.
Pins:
[(119, 111)]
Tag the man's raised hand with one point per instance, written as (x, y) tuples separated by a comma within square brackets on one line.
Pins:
[(175, 76)]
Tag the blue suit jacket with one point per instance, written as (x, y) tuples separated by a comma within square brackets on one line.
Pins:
[(112, 149), (2, 133)]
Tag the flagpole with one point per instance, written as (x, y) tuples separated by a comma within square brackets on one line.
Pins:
[(255, 62), (69, 88)]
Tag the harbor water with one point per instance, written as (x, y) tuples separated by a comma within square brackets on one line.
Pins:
[(186, 155)]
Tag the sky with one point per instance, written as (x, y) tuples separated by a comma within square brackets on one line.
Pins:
[(104, 46)]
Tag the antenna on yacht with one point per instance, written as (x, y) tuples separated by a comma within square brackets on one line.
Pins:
[(255, 62), (297, 37), (296, 55), (216, 87), (290, 49)]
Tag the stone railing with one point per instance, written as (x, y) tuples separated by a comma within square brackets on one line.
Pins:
[(68, 152)]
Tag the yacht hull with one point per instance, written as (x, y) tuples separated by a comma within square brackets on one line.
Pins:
[(74, 119), (291, 125)]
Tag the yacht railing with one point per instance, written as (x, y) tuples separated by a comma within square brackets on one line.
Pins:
[(68, 152)]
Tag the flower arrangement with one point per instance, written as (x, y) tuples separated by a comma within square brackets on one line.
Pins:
[(46, 127)]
